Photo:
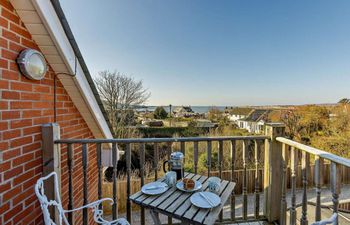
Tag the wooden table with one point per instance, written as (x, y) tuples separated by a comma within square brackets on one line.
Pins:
[(176, 203)]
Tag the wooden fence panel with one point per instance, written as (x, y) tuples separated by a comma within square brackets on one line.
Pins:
[(226, 175)]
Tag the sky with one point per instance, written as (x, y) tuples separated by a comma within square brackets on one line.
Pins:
[(220, 53)]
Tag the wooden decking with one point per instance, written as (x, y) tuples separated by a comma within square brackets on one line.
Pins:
[(136, 219), (344, 218), (252, 223), (326, 199)]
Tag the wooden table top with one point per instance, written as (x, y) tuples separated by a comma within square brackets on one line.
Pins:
[(177, 204)]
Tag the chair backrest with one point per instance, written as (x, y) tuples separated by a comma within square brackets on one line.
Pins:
[(45, 203)]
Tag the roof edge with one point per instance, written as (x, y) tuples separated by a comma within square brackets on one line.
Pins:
[(64, 23)]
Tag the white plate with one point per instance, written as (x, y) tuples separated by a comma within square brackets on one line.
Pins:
[(201, 202), (197, 186), (163, 187)]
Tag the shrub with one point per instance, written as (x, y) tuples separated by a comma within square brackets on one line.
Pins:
[(160, 113)]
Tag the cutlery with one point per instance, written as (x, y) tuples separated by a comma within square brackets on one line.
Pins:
[(207, 199), (155, 187)]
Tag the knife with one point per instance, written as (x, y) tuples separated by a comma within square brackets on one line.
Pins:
[(155, 187), (207, 199)]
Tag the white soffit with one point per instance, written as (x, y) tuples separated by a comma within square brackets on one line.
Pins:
[(42, 22)]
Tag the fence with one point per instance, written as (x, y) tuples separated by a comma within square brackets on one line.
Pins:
[(293, 153), (286, 164), (226, 175), (120, 192)]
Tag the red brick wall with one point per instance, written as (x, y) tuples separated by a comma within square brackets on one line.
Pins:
[(25, 105)]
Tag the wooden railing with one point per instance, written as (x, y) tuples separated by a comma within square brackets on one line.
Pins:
[(255, 141), (280, 156), (291, 151)]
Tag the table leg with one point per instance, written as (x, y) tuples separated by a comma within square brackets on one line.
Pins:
[(155, 217)]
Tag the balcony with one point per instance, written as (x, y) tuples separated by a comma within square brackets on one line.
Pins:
[(277, 180)]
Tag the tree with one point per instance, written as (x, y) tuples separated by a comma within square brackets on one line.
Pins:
[(215, 115), (304, 122), (344, 101), (292, 121), (119, 94), (326, 128), (160, 113)]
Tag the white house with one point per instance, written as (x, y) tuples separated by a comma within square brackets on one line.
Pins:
[(254, 122), (236, 117), (237, 113)]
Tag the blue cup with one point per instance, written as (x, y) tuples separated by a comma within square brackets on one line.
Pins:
[(214, 184), (170, 178)]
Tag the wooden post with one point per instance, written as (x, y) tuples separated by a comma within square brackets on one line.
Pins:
[(195, 147), (318, 183), (283, 215), (51, 160), (85, 157), (233, 160), (294, 168), (335, 186), (257, 182), (272, 171), (245, 180), (142, 173), (115, 184), (128, 181), (305, 162)]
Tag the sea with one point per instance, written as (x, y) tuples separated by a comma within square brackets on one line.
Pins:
[(197, 109)]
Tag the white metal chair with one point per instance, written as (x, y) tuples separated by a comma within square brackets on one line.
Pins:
[(333, 220), (45, 203)]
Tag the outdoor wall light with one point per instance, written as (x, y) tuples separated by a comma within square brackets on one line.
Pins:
[(32, 64)]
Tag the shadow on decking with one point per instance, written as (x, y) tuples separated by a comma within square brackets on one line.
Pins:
[(326, 200), (344, 218)]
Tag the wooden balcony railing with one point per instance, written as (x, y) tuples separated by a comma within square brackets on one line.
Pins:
[(278, 156), (291, 152), (140, 144)]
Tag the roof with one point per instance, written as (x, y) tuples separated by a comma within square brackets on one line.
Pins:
[(49, 28), (184, 108), (239, 110), (202, 123), (57, 6), (256, 115)]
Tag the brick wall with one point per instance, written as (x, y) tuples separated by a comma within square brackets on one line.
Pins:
[(25, 105)]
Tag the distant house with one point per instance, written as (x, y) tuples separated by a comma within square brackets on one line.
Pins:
[(184, 111), (202, 123), (254, 122), (236, 113)]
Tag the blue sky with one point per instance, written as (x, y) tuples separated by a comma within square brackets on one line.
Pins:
[(220, 52)]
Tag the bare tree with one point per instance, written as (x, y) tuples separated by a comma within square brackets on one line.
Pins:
[(119, 94)]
